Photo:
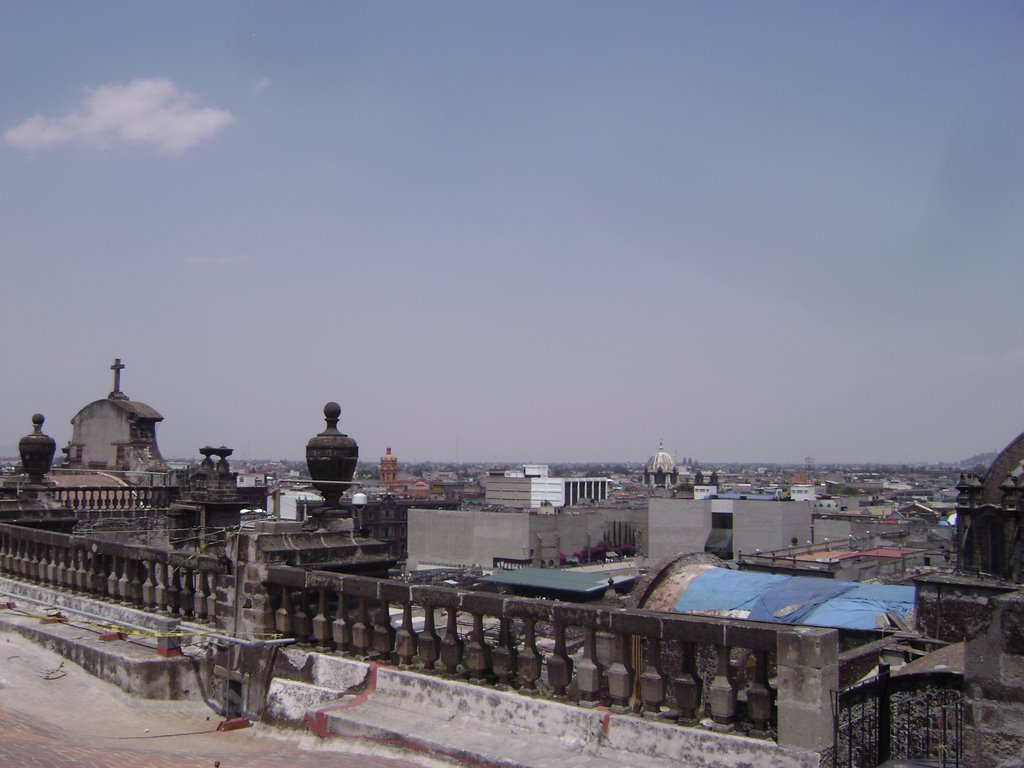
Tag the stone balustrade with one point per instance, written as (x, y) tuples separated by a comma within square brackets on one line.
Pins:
[(148, 578), (765, 680), (683, 668), (113, 499)]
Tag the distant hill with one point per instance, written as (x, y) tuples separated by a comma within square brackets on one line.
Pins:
[(983, 459)]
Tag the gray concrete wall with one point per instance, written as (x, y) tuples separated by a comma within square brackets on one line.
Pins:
[(467, 536), (679, 526), (567, 533), (769, 525), (637, 519)]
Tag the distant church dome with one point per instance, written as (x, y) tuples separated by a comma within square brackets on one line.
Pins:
[(661, 471), (662, 461)]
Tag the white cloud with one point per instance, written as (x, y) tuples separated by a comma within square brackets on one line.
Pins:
[(153, 112), (263, 82)]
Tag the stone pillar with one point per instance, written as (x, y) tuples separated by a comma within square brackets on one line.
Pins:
[(243, 606), (808, 674), (994, 686)]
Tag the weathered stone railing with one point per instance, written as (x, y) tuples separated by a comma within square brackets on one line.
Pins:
[(766, 680), (98, 498), (148, 578), (657, 664)]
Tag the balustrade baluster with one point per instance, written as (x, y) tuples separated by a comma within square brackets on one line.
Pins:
[(173, 593), (503, 656), (642, 632), (759, 697), (559, 665), (321, 627), (97, 571), (160, 592), (477, 651), (29, 567), (620, 671), (21, 547), (61, 571), (383, 632), (283, 615), (36, 561), (124, 583), (653, 686), (404, 639), (451, 643), (429, 643), (80, 575), (199, 598), (17, 561), (341, 632), (687, 685), (722, 692), (48, 565), (303, 622), (362, 632), (112, 578), (5, 552), (529, 660), (186, 597), (73, 574), (211, 597), (589, 670), (149, 586)]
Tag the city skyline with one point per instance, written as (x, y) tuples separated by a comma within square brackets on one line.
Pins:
[(561, 233)]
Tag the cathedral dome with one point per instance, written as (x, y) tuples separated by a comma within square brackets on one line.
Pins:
[(661, 462)]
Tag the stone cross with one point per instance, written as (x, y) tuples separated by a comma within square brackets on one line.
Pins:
[(117, 367)]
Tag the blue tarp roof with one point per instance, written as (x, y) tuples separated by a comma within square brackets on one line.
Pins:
[(794, 599)]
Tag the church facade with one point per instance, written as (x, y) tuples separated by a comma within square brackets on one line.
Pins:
[(989, 522), (115, 434)]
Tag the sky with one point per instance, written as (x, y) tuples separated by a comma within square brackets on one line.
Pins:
[(519, 231)]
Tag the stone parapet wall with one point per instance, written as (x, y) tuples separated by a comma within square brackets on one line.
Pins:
[(994, 687)]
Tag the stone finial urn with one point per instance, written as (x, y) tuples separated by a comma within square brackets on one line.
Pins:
[(37, 451), (331, 457)]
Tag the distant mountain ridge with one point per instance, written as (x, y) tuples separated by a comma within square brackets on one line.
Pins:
[(984, 459)]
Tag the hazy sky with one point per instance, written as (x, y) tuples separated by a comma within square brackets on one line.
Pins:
[(535, 231)]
